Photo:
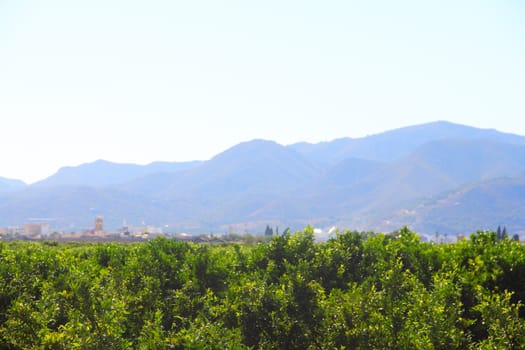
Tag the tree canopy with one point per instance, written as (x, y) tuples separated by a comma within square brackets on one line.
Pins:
[(356, 290)]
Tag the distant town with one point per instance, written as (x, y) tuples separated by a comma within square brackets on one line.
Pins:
[(39, 229), (42, 230)]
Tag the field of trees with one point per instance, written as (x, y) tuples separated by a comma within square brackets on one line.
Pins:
[(355, 291)]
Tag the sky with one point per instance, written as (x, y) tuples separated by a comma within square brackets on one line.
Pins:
[(140, 81)]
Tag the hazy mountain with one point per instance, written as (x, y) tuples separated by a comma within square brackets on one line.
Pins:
[(233, 185), (360, 191), (479, 206), (75, 207), (443, 165), (380, 182), (394, 144), (255, 166), (9, 185), (250, 167), (104, 173), (350, 171), (226, 188)]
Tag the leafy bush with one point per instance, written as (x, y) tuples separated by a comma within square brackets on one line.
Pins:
[(356, 291)]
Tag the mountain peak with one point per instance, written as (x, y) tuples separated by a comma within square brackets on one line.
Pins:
[(250, 148)]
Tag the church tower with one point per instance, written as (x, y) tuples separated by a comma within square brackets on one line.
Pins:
[(99, 224)]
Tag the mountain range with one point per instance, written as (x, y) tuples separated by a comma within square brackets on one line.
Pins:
[(436, 177)]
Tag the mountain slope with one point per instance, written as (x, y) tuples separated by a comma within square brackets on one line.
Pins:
[(104, 173), (259, 166), (250, 167), (350, 171), (479, 206), (443, 165), (73, 207), (394, 144), (10, 185), (359, 196)]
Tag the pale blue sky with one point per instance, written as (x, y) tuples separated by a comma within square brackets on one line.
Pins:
[(138, 81)]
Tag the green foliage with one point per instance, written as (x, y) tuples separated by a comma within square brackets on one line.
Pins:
[(355, 291), (500, 318)]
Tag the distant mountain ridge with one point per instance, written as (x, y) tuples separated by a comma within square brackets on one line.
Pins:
[(379, 182), (394, 144), (105, 173), (9, 185)]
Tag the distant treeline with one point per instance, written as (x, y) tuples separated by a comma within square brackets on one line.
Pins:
[(354, 291)]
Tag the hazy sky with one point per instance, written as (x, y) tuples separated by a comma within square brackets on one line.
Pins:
[(138, 81)]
